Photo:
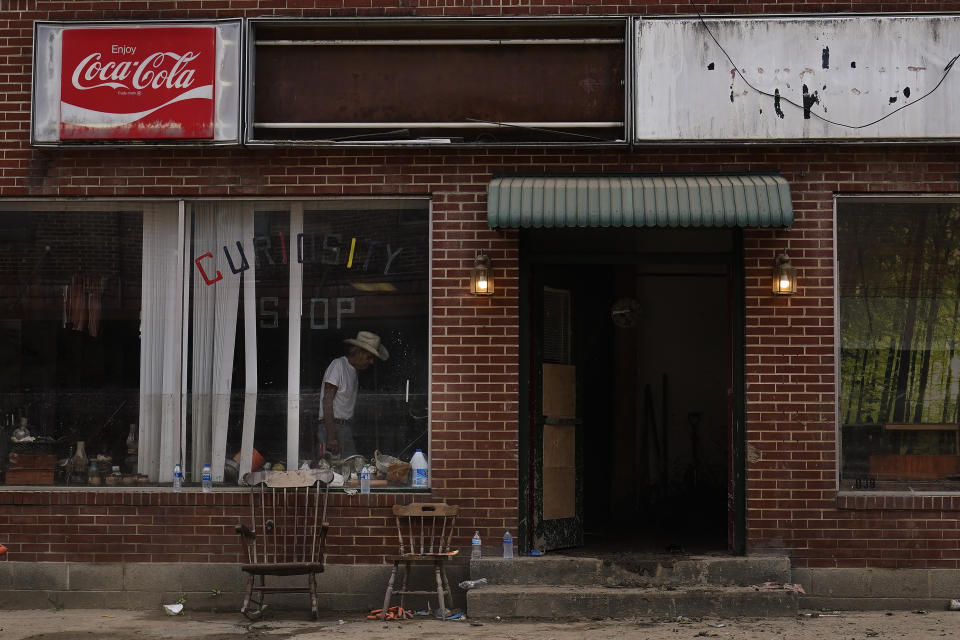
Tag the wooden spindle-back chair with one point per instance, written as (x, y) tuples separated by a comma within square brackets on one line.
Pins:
[(424, 531), (287, 533)]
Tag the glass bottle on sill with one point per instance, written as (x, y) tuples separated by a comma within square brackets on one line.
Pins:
[(130, 462), (79, 464), (132, 440)]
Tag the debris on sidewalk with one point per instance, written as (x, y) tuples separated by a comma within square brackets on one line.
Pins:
[(173, 609), (470, 584), (778, 585), (393, 613), (48, 624)]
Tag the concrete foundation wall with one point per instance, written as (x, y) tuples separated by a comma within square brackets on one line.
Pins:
[(205, 587), (877, 589), (219, 587)]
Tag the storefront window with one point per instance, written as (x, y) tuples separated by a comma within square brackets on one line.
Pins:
[(70, 303), (899, 323), (356, 277), (200, 332)]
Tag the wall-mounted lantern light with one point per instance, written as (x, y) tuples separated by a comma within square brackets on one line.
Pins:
[(784, 276), (481, 276)]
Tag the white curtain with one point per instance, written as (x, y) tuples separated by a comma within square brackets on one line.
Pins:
[(249, 348), (167, 270), (218, 226), (293, 344), (161, 324)]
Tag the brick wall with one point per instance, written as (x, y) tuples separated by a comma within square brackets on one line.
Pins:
[(792, 505), (161, 526)]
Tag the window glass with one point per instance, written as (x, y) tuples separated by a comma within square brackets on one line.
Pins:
[(287, 298), (899, 321), (201, 332), (366, 284), (70, 325)]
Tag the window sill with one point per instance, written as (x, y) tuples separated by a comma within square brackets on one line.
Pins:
[(898, 501), (159, 489), (354, 491), (105, 489), (162, 497)]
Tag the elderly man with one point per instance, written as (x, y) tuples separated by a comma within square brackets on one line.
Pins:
[(339, 399)]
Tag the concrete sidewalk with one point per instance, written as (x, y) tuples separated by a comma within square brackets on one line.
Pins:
[(110, 624)]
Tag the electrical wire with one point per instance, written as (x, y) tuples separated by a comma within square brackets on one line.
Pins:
[(946, 70), (540, 129)]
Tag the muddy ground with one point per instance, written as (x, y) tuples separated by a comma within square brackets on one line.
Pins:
[(82, 624)]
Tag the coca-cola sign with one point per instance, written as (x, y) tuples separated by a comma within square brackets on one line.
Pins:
[(137, 83)]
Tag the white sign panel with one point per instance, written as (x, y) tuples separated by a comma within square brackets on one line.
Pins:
[(805, 78)]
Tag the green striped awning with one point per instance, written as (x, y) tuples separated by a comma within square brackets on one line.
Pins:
[(640, 201)]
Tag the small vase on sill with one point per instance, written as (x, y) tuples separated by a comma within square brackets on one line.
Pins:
[(79, 464), (130, 462), (132, 440)]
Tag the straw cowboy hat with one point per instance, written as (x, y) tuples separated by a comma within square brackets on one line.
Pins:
[(369, 342)]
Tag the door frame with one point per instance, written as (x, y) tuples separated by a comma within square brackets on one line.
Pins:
[(527, 422)]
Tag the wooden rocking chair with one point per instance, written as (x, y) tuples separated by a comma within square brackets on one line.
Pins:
[(287, 535), (424, 531)]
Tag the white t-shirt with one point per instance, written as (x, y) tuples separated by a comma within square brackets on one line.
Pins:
[(343, 376)]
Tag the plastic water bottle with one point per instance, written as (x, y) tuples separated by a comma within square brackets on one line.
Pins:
[(421, 475), (475, 545), (177, 478), (507, 544), (365, 479), (206, 478)]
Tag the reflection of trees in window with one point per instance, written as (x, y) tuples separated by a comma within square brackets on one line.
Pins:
[(899, 271)]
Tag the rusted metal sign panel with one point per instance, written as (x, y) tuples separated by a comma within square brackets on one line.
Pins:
[(154, 82), (462, 81), (431, 83), (808, 78)]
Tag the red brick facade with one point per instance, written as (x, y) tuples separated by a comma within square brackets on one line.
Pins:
[(792, 504)]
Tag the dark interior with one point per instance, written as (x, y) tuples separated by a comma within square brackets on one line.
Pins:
[(651, 342)]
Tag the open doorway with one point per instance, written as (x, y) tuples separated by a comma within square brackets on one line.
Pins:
[(651, 327)]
